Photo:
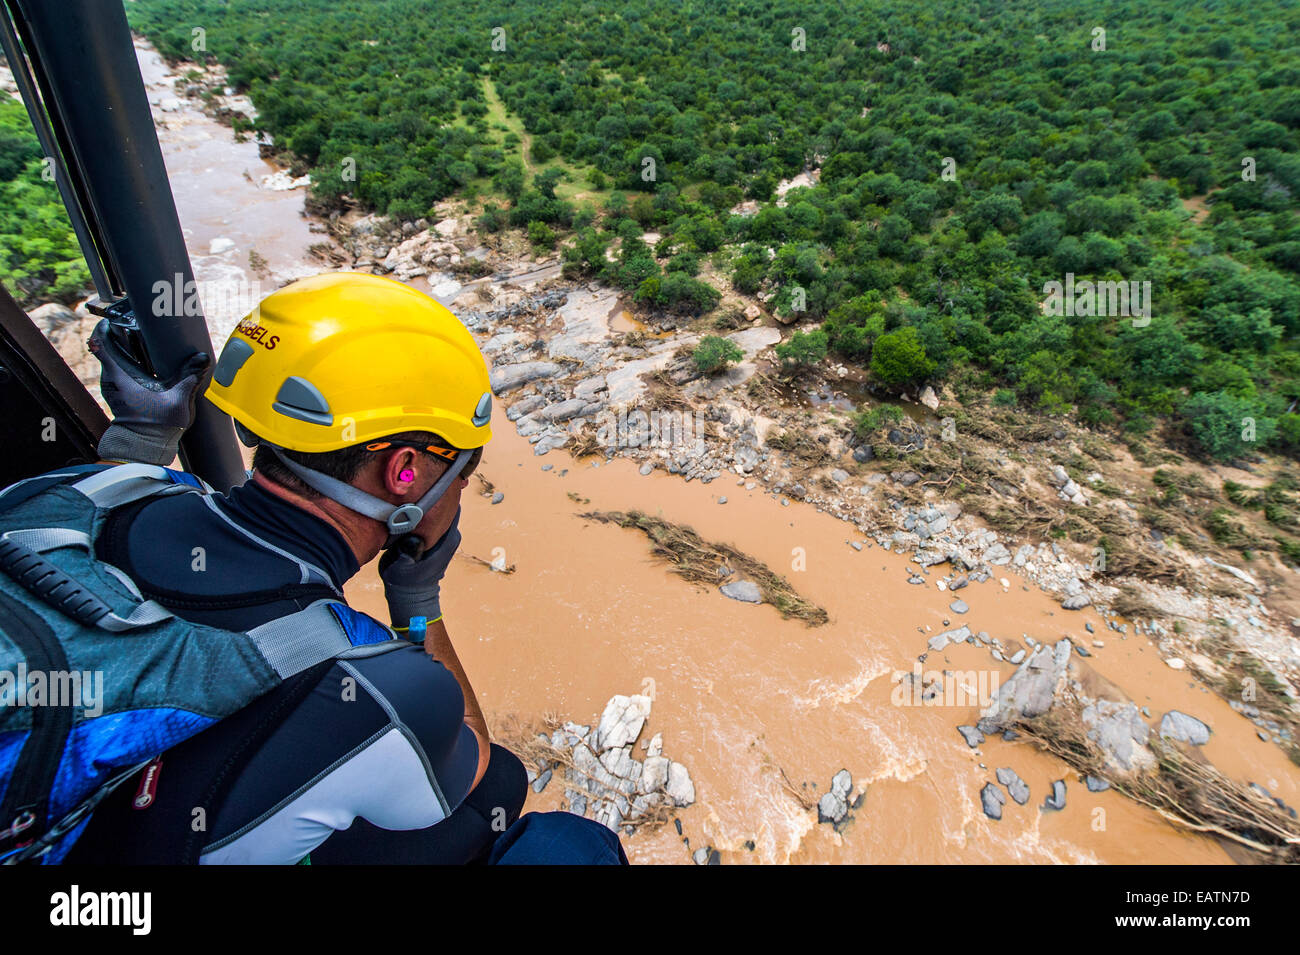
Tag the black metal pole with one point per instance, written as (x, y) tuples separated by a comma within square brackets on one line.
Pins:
[(85, 64)]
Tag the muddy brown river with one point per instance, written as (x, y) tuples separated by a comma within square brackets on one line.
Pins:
[(742, 697)]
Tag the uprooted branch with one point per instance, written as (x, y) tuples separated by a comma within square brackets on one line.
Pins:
[(697, 560), (1182, 788)]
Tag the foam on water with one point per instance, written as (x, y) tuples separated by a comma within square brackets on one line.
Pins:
[(839, 692)]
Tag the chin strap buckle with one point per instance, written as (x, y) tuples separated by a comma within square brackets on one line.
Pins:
[(405, 519)]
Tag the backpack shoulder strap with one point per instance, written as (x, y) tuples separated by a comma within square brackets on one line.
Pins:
[(325, 630), (124, 483)]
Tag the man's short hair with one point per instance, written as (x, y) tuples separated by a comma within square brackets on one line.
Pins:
[(342, 465)]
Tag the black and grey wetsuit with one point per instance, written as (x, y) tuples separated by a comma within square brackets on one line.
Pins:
[(365, 760)]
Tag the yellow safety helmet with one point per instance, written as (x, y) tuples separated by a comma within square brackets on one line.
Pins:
[(344, 358)]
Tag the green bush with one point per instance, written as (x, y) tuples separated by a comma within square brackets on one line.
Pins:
[(541, 152), (804, 349), (678, 292), (854, 326), (540, 235), (493, 219), (1288, 432), (867, 423), (687, 262), (713, 354), (1222, 424), (898, 358)]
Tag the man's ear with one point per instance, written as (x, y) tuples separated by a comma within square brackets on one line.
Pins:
[(400, 471)]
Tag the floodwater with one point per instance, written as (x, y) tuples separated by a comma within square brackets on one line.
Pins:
[(225, 212), (742, 697)]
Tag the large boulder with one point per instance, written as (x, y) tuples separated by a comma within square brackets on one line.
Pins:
[(67, 331), (1032, 689), (622, 721), (1184, 728), (508, 377), (941, 640), (834, 805), (1056, 800), (654, 774), (563, 410), (1017, 787), (679, 786), (1120, 733), (992, 801), (52, 317)]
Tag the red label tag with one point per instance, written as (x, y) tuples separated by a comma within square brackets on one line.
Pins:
[(144, 796)]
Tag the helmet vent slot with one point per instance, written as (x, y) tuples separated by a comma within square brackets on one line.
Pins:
[(299, 398), (233, 356)]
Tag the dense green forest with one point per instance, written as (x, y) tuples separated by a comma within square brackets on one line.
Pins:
[(39, 255), (969, 153)]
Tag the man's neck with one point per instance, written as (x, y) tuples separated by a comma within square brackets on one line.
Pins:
[(364, 536)]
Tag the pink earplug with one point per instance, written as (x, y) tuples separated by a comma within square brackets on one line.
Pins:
[(407, 475)]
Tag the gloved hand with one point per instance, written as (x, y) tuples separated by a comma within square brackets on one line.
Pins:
[(149, 416), (411, 580)]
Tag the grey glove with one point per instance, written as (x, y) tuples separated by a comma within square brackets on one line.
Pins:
[(149, 416), (411, 580)]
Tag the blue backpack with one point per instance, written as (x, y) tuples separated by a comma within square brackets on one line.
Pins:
[(95, 680)]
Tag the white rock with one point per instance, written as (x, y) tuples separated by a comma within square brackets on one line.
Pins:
[(743, 590), (585, 760), (841, 783), (832, 808), (281, 181), (622, 721), (620, 763), (680, 787), (645, 803), (609, 816), (654, 774)]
